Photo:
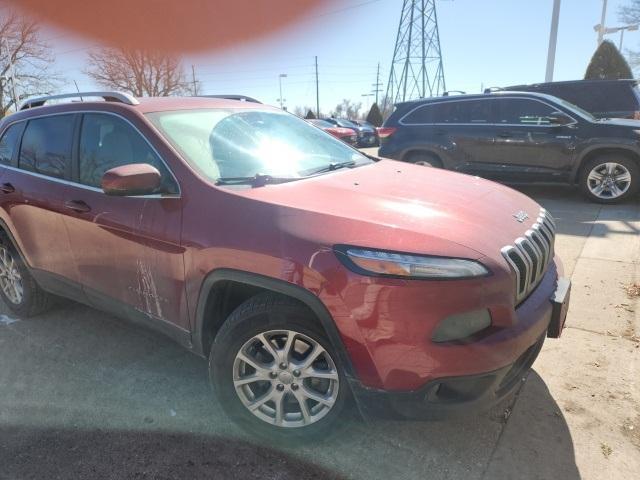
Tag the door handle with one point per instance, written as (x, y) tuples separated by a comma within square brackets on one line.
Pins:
[(7, 188), (77, 206)]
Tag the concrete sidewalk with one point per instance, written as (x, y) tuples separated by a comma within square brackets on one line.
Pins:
[(84, 395)]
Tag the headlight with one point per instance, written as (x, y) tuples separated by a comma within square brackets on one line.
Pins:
[(388, 264)]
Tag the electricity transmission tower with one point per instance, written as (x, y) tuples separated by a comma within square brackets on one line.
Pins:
[(416, 69)]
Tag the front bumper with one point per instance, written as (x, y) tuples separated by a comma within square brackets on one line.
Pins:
[(448, 397), (505, 357)]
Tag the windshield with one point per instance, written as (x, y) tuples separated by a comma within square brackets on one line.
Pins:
[(223, 144), (580, 111)]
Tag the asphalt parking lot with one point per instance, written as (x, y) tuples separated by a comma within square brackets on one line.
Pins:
[(85, 395)]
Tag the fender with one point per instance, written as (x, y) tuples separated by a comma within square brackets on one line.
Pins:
[(278, 286), (625, 146)]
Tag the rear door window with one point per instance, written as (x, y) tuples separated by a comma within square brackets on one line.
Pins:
[(9, 143), (522, 111), (46, 145), (460, 112)]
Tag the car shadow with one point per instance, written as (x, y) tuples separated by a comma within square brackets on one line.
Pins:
[(85, 395), (97, 454)]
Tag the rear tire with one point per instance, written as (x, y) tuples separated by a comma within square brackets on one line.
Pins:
[(285, 380), (18, 288), (425, 159), (610, 178)]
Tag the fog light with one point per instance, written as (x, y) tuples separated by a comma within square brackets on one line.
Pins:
[(462, 325)]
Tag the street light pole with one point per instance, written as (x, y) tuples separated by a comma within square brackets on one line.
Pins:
[(553, 40), (280, 77), (602, 20), (367, 95), (607, 31)]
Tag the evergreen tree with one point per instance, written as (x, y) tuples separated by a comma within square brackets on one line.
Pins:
[(310, 115), (375, 116), (607, 63)]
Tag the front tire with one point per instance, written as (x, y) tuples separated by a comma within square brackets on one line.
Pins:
[(18, 288), (275, 372), (610, 179)]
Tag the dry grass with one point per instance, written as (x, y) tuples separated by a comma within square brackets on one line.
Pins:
[(632, 289)]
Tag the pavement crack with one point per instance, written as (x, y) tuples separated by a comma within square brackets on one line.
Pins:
[(511, 407), (604, 334)]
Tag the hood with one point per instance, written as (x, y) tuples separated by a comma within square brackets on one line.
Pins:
[(620, 122), (403, 207)]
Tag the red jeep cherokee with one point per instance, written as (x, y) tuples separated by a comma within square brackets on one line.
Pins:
[(307, 272)]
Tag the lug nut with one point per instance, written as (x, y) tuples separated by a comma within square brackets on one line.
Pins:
[(294, 386), (296, 373), (273, 374), (280, 387), (283, 366)]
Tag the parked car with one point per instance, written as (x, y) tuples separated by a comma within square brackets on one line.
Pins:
[(518, 137), (306, 272), (601, 98), (347, 135), (367, 136)]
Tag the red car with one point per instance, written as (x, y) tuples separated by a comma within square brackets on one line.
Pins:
[(347, 135), (307, 273)]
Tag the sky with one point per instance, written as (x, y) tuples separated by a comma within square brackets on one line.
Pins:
[(483, 43)]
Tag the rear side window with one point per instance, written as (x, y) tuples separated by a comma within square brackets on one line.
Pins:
[(9, 143), (106, 142), (522, 111), (46, 145), (462, 112)]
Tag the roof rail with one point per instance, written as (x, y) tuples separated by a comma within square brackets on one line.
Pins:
[(449, 92), (241, 98), (493, 89), (107, 96)]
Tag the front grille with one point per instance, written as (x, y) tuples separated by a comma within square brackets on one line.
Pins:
[(530, 255)]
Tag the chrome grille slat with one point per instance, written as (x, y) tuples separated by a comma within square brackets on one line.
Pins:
[(530, 255)]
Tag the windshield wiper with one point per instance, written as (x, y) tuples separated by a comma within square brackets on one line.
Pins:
[(330, 167), (258, 180)]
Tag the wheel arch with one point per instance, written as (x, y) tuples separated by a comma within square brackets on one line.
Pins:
[(588, 155), (5, 230), (214, 307)]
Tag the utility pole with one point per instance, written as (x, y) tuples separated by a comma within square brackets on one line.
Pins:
[(195, 83), (377, 85), (317, 91), (281, 100), (602, 27), (553, 41)]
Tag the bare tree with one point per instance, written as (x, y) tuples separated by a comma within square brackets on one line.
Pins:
[(630, 14), (347, 109), (25, 61), (141, 72), (302, 111)]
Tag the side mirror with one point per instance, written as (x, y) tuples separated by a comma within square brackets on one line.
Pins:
[(559, 118), (132, 179)]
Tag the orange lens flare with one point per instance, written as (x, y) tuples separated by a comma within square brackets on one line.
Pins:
[(168, 25)]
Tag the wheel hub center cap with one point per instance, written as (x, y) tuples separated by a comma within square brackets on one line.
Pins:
[(285, 377)]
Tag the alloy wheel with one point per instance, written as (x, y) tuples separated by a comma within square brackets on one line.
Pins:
[(10, 278), (609, 180), (285, 378)]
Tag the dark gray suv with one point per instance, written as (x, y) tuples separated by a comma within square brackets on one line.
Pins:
[(518, 137)]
